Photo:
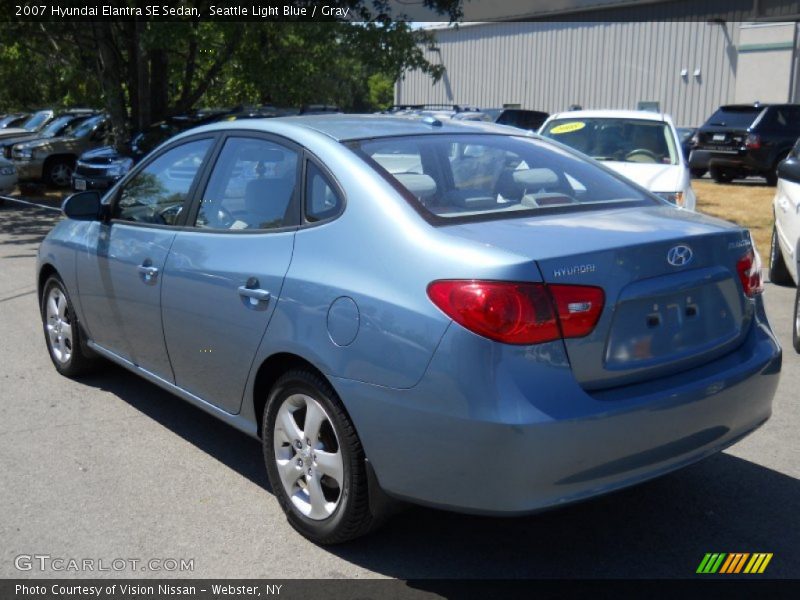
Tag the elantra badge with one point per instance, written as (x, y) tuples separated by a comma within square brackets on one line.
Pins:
[(679, 256)]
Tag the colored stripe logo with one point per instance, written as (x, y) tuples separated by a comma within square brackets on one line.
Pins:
[(734, 562)]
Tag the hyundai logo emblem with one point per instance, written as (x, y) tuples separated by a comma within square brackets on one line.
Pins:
[(679, 256)]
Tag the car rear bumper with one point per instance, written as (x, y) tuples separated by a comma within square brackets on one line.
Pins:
[(705, 159), (522, 435)]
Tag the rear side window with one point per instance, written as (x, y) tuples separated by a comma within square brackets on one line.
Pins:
[(322, 199), (782, 117), (467, 176), (740, 117)]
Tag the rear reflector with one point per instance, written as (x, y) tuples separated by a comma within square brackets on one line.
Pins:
[(578, 308), (518, 312), (752, 141), (749, 269)]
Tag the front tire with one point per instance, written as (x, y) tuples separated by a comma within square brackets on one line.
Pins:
[(314, 459), (698, 172), (62, 332), (721, 175), (778, 272)]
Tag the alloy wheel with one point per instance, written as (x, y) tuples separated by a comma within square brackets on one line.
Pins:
[(61, 174), (59, 325), (308, 457)]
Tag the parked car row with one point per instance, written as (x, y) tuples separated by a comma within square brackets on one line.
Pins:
[(100, 168), (47, 143), (520, 118)]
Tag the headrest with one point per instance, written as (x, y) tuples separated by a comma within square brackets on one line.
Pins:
[(257, 153), (535, 178), (422, 186)]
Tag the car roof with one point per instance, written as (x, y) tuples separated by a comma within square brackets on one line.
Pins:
[(643, 115), (344, 127)]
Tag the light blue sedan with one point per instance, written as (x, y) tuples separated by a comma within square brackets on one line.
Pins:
[(453, 314)]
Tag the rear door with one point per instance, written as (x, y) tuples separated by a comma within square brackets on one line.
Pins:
[(225, 271), (120, 271)]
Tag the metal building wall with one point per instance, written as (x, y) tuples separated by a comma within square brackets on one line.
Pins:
[(551, 65)]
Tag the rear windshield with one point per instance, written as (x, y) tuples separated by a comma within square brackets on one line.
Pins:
[(619, 140), (452, 177), (740, 117), (524, 119)]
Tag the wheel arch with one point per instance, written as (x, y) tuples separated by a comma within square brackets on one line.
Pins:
[(68, 157), (46, 271), (268, 373)]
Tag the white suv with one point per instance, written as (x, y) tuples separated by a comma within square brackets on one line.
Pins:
[(784, 254)]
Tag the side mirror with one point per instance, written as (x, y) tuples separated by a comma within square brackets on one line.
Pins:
[(83, 206), (789, 169)]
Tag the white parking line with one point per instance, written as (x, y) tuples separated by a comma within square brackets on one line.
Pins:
[(10, 199)]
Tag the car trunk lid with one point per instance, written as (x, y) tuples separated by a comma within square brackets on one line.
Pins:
[(659, 317)]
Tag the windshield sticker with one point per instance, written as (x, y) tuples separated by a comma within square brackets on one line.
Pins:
[(568, 127)]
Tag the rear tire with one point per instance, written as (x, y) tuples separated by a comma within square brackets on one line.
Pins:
[(721, 175), (778, 272), (796, 328), (62, 332), (304, 421), (772, 175)]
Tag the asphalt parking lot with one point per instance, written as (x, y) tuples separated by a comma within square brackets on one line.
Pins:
[(113, 467)]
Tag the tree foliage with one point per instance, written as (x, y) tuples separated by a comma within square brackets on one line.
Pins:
[(142, 71)]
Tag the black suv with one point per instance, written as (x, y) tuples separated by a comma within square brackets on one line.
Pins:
[(739, 140)]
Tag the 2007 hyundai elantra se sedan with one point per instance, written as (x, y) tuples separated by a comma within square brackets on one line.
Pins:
[(459, 315)]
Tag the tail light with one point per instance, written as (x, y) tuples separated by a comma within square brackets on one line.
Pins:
[(753, 142), (519, 313), (749, 269)]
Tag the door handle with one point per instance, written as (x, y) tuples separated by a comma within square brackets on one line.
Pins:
[(148, 271), (254, 293)]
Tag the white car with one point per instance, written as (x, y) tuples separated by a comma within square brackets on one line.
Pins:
[(640, 145), (8, 176), (784, 252)]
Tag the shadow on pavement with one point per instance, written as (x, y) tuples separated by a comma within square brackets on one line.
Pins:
[(660, 529), (23, 224)]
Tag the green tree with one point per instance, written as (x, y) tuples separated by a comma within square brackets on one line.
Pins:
[(143, 71)]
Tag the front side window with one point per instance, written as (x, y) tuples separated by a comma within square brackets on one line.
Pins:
[(157, 193), (454, 176), (84, 127), (252, 186), (619, 140)]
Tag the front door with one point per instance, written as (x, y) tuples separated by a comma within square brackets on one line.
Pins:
[(120, 272)]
